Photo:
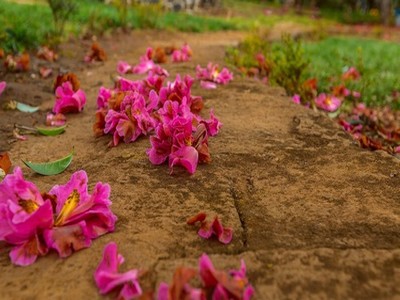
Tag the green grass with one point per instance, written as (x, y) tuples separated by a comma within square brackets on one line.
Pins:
[(377, 61)]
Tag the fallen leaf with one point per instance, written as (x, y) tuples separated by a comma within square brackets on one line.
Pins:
[(5, 163), (51, 131), (51, 168), (26, 108)]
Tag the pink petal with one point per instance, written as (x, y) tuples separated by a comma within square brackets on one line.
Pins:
[(186, 157), (163, 291), (27, 253), (207, 271), (3, 86), (108, 278), (220, 293), (296, 99), (206, 230), (208, 84), (67, 239), (248, 293), (123, 67)]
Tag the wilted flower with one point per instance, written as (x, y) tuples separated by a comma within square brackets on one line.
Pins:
[(225, 286), (123, 67), (207, 229), (55, 120), (351, 74), (214, 74)]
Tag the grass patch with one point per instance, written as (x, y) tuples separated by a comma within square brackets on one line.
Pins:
[(377, 61)]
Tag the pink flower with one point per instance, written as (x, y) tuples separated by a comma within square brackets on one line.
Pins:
[(3, 85), (213, 74), (328, 102), (225, 286), (296, 99), (55, 120), (207, 229), (123, 67), (68, 100), (79, 216), (183, 54), (213, 125), (108, 277), (24, 215)]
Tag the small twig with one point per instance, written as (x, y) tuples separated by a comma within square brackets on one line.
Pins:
[(25, 127)]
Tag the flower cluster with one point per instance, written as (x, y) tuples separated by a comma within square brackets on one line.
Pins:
[(65, 219), (208, 229), (168, 111), (220, 285), (212, 75)]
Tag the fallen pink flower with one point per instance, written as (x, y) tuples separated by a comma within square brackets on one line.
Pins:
[(3, 86), (356, 94), (55, 119), (328, 102), (186, 156), (108, 278), (79, 216), (207, 229), (24, 215), (296, 99), (123, 67), (225, 286), (182, 55), (67, 100), (214, 74)]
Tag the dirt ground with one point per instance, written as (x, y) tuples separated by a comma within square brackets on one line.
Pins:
[(314, 216)]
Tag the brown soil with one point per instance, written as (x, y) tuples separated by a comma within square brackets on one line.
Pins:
[(314, 216)]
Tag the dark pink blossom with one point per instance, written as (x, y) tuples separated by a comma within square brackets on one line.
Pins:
[(67, 100), (79, 216), (24, 215), (108, 278), (103, 97)]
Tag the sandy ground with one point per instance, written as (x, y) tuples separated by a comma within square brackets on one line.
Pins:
[(314, 216)]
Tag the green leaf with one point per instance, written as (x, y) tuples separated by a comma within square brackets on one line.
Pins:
[(26, 108), (51, 168), (51, 131)]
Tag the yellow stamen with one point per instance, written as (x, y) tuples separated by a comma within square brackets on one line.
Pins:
[(68, 208), (28, 205), (215, 74)]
